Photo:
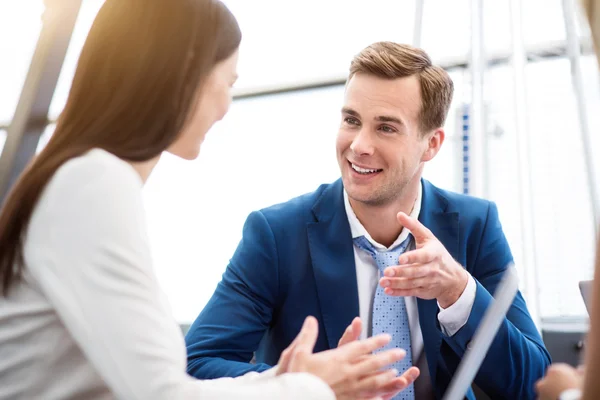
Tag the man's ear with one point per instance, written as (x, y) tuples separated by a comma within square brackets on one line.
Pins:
[(434, 143)]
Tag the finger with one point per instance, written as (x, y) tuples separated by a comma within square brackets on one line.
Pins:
[(400, 383), (346, 337), (352, 332), (284, 361), (420, 292), (286, 356), (538, 388), (356, 349), (419, 256), (407, 378), (408, 271), (539, 385), (375, 382), (307, 336), (558, 367), (418, 230), (405, 284), (376, 362)]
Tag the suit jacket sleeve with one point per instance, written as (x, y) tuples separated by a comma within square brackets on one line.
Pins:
[(517, 357), (222, 340)]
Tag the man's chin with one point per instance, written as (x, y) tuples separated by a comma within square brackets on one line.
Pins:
[(369, 195), (362, 195)]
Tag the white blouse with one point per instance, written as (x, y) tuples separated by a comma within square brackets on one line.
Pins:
[(89, 321)]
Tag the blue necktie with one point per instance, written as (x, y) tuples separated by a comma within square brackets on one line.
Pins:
[(389, 312)]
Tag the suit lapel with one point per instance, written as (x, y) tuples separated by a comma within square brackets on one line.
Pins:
[(332, 254), (444, 225)]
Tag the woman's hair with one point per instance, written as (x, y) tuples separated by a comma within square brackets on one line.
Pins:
[(136, 84)]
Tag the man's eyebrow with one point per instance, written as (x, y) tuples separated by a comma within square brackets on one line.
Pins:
[(349, 111), (387, 118)]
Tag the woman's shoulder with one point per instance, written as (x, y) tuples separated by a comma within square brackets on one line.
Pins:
[(97, 177), (95, 166)]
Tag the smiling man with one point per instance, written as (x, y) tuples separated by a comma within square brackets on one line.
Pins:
[(382, 243)]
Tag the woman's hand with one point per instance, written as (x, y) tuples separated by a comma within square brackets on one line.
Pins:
[(351, 370)]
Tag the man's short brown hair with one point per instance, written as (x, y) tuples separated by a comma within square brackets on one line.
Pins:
[(392, 60)]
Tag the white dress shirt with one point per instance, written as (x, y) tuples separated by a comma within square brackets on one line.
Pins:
[(89, 321), (367, 274)]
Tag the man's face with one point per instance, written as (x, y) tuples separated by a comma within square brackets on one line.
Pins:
[(380, 146)]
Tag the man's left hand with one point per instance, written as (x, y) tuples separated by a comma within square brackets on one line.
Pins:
[(428, 272)]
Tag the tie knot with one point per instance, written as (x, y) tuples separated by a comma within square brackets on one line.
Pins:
[(383, 258)]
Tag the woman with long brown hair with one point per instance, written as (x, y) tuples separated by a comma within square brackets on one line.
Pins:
[(81, 312)]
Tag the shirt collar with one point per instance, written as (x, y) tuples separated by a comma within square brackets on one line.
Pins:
[(357, 229)]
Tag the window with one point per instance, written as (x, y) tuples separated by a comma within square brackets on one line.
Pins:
[(275, 147), (563, 227), (2, 139), (20, 25), (45, 136), (85, 18), (292, 43), (447, 26), (289, 42), (267, 150)]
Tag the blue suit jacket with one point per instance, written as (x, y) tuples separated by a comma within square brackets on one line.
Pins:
[(296, 259)]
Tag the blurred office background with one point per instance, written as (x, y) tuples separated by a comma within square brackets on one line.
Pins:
[(521, 131)]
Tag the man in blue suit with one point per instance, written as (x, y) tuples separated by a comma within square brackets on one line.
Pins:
[(381, 243)]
